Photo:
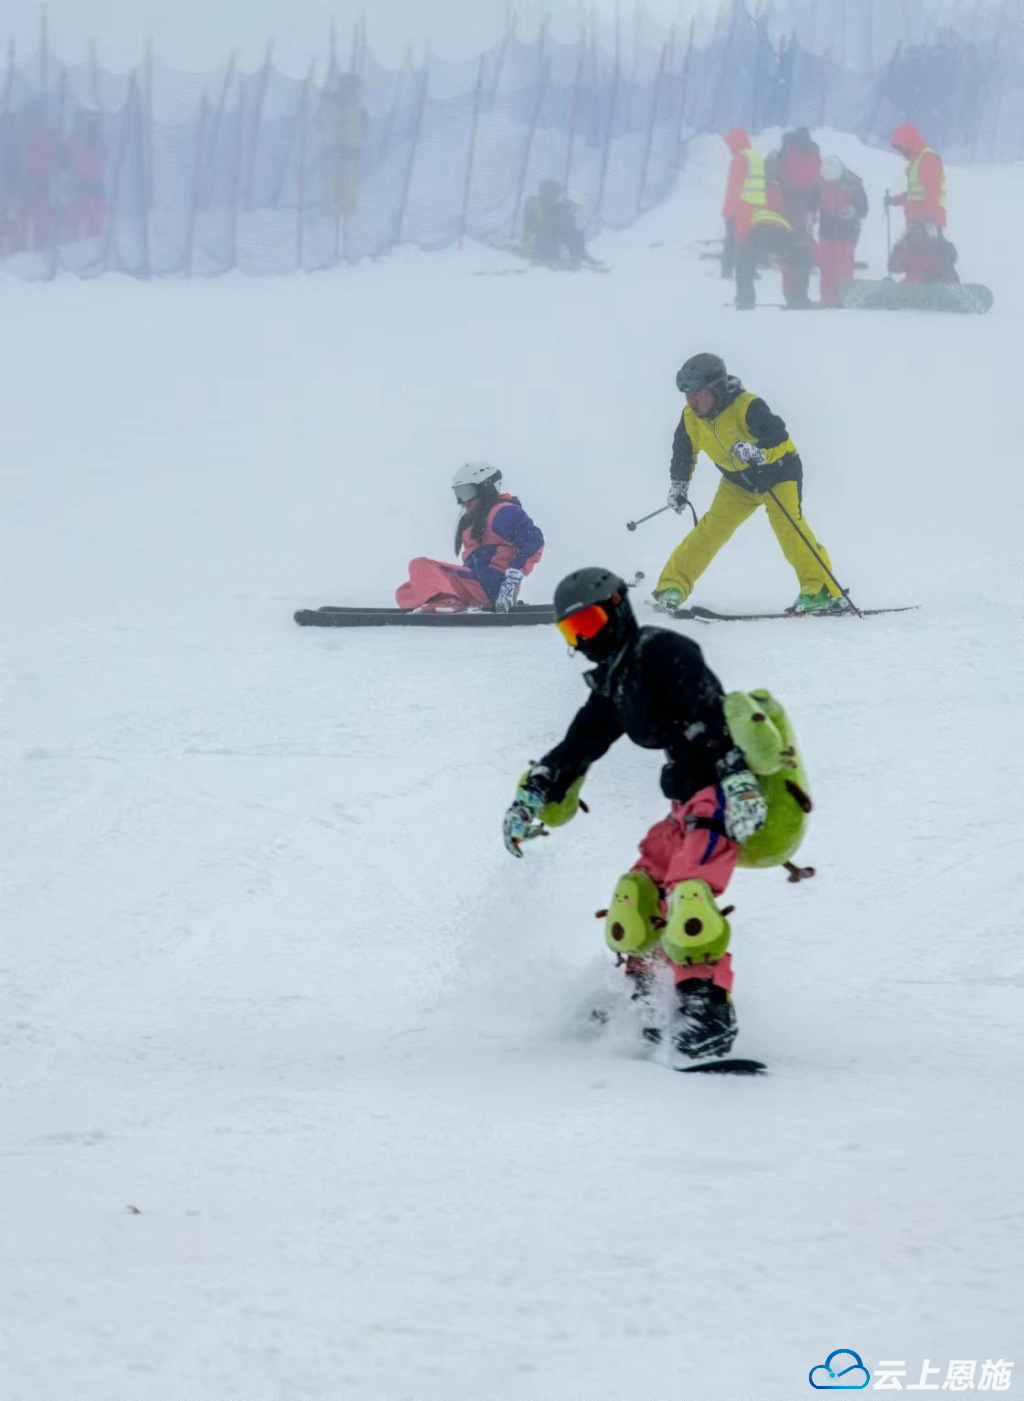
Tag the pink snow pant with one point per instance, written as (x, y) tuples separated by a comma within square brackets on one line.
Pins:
[(671, 853), (836, 259), (440, 586)]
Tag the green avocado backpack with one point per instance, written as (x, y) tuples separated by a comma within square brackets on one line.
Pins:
[(760, 727)]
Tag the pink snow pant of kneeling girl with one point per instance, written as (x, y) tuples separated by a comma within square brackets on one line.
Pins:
[(671, 852), (441, 585)]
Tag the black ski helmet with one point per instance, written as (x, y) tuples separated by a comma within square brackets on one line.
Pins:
[(582, 589), (704, 371)]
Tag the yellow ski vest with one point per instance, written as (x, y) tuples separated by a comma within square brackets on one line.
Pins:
[(769, 216), (916, 193), (753, 191), (716, 436)]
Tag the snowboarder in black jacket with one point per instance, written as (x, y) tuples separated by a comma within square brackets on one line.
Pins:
[(653, 685)]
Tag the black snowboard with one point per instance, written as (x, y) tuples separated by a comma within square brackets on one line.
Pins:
[(857, 294), (398, 617), (732, 1065)]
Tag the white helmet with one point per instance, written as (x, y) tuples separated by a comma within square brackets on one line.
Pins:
[(832, 168), (471, 476)]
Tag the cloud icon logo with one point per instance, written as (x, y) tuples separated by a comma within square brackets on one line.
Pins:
[(842, 1370)]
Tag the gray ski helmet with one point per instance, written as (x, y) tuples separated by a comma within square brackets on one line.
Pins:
[(584, 587), (704, 371)]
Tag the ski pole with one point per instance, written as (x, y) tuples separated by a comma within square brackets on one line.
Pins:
[(632, 525), (843, 592)]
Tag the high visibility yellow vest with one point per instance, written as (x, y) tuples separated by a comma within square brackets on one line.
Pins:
[(915, 189), (753, 191), (716, 436), (769, 216)]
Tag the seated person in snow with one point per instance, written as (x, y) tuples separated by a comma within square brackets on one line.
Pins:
[(499, 542), (550, 234), (924, 254)]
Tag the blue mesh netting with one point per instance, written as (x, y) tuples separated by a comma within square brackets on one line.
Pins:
[(270, 173)]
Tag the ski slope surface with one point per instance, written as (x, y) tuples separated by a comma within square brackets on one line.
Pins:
[(299, 1097)]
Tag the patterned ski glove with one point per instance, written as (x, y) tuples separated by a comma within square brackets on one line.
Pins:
[(522, 821), (745, 808), (677, 496), (748, 454), (509, 591)]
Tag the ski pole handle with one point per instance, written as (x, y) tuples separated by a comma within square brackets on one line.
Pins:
[(632, 525)]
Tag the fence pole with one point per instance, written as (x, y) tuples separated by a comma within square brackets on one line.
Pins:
[(531, 132), (684, 92), (300, 229), (138, 112), (649, 143), (115, 188), (464, 219), (606, 155), (574, 114), (257, 119), (222, 101), (197, 177), (9, 78), (417, 132), (236, 173)]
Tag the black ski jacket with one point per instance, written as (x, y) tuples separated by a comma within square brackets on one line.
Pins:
[(657, 690)]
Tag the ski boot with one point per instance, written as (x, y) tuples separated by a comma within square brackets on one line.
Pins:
[(643, 992), (821, 602), (668, 600), (704, 1026)]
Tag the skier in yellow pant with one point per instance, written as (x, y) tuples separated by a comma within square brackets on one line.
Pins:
[(752, 449)]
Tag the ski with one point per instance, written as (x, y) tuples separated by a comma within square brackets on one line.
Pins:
[(398, 617), (706, 615), (357, 608), (730, 1065)]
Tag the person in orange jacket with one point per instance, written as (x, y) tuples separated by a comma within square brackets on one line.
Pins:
[(923, 254), (925, 195), (744, 194)]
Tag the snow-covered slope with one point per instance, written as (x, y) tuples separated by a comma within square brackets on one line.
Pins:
[(268, 975)]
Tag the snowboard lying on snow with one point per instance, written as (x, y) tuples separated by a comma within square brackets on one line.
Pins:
[(857, 294)]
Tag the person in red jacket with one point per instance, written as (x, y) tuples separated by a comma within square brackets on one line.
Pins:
[(799, 175), (925, 195), (84, 160), (843, 205), (924, 254), (744, 194)]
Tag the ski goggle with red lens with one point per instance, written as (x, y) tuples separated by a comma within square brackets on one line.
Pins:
[(584, 624)]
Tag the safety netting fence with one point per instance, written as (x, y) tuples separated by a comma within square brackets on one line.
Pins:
[(159, 173)]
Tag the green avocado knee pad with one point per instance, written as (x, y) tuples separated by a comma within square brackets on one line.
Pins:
[(761, 729), (634, 917), (697, 931)]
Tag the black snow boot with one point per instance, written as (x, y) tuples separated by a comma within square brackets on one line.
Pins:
[(704, 1026), (642, 994)]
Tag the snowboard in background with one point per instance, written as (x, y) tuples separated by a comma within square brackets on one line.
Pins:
[(857, 294)]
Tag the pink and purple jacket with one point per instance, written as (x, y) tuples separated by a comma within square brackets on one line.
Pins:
[(510, 540)]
